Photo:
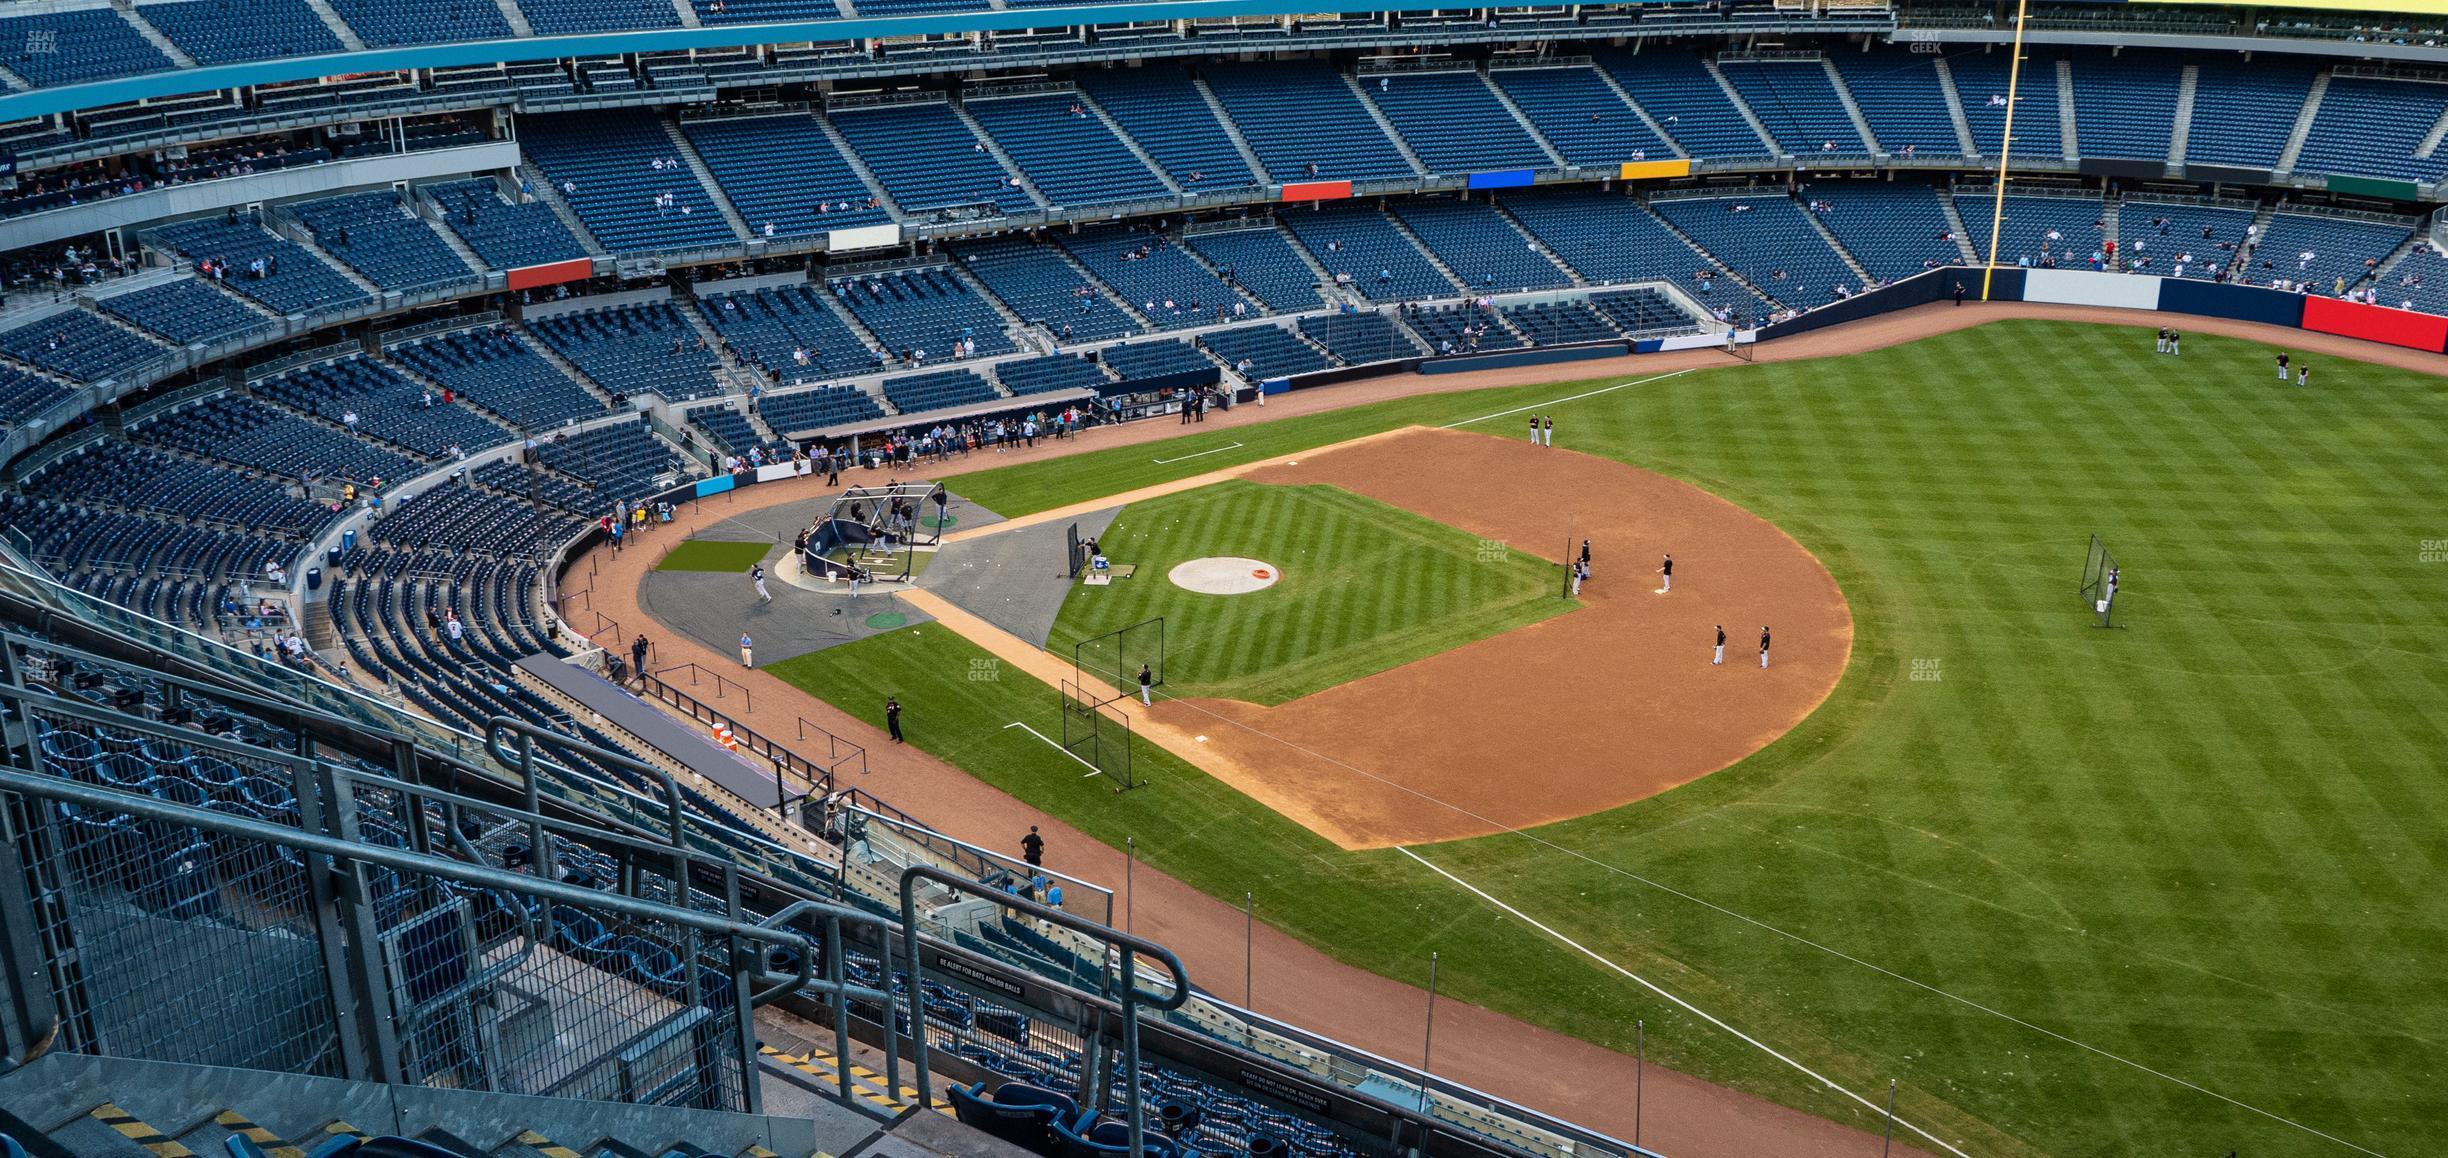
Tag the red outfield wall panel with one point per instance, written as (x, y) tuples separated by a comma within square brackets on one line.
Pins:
[(2375, 323), (1317, 191), (575, 269)]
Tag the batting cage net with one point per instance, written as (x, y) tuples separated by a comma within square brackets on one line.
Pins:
[(1097, 733), (2098, 584), (1115, 657)]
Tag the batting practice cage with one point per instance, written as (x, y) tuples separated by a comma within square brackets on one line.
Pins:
[(1115, 657), (2099, 584), (1096, 701), (876, 532)]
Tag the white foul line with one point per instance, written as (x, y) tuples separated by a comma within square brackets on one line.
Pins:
[(1694, 1010), (1093, 770), (1201, 454), (1574, 398)]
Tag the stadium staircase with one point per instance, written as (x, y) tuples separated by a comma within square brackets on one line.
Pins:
[(1128, 142), (2180, 135), (705, 176), (1328, 292), (289, 228), (1734, 97), (569, 369), (1955, 108), (1607, 78), (1553, 258), (1215, 107), (1129, 308), (339, 28), (1972, 248), (1852, 108), (850, 319), (153, 35), (994, 149), (2431, 140), (2303, 124), (1712, 260), (858, 165), (431, 211), (2065, 110), (1360, 92), (1404, 228), (550, 194), (687, 13), (14, 82), (2414, 243), (1505, 99), (517, 19), (1861, 273)]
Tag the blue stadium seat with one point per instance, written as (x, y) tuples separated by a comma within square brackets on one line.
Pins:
[(1045, 290), (928, 159), (258, 435), (1559, 323), (24, 396), (1132, 361), (228, 32), (937, 390), (2029, 220), (295, 282), (1162, 110), (1679, 94), (633, 349), (1476, 241), (2373, 128), (141, 479), (605, 166), (1797, 102), (1895, 230), (79, 346), (493, 368), (763, 11), (1981, 79), (1581, 116), (2243, 111), (389, 24), (1064, 150), (1050, 373), (505, 235), (1261, 263), (802, 411), (1169, 286), (1359, 241), (1454, 123), (621, 461), (2121, 110), (1900, 96), (76, 46), (376, 235), (558, 17), (1767, 239), (2339, 247), (1360, 338), (1459, 329), (389, 408), (728, 430), (1304, 122), (791, 330), (924, 312), (783, 171), (2159, 238)]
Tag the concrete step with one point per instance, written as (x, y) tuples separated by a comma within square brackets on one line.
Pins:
[(1249, 156), (1955, 109), (2303, 123), (1376, 114), (348, 36), (1115, 127), (153, 35), (518, 19)]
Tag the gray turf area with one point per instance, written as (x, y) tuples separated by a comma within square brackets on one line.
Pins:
[(1016, 580)]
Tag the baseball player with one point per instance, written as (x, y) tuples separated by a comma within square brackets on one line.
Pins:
[(1534, 430), (1147, 681), (747, 651), (2303, 374), (2113, 576), (2162, 347), (1719, 658), (1580, 571), (756, 574), (2176, 343), (1667, 570), (1585, 558), (2282, 369), (1548, 431), (1763, 649)]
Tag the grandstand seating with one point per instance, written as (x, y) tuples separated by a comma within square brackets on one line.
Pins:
[(1612, 239), (2340, 248), (1169, 286), (1162, 110), (185, 311), (605, 166), (385, 23), (1064, 150), (389, 408), (1894, 230), (2194, 231), (1304, 122), (802, 410), (556, 17), (1797, 102), (1475, 241), (2028, 222), (783, 171), (776, 325), (927, 158), (1679, 94), (258, 435), (1155, 359), (75, 46), (492, 367), (1981, 79), (118, 474), (1359, 241), (1578, 114), (1053, 372), (505, 235), (936, 390), (134, 548), (1454, 123), (1900, 96), (1459, 329), (295, 282), (374, 234), (79, 346), (728, 430), (224, 32), (1261, 263), (1269, 351), (757, 11), (1641, 311), (2243, 111), (1045, 290), (919, 7), (1761, 238), (454, 517), (2123, 111), (1559, 323), (923, 312), (2375, 128), (2420, 280), (25, 395), (621, 461), (1360, 338)]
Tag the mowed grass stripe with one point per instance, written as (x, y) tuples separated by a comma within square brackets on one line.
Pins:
[(2210, 842)]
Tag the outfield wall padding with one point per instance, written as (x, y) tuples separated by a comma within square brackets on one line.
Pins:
[(2242, 303), (1187, 378), (2083, 287), (2375, 323), (2006, 285), (1538, 356)]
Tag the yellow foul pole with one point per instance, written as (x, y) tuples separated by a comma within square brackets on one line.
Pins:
[(2014, 97)]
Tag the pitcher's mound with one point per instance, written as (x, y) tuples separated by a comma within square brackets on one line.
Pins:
[(1224, 575)]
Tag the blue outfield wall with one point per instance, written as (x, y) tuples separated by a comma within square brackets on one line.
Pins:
[(2243, 303), (2005, 285), (1538, 356)]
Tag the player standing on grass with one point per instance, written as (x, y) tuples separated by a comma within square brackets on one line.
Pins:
[(2282, 369), (2162, 347), (2303, 374), (1719, 658), (1549, 431), (1534, 430), (2176, 343), (1763, 649), (1147, 681), (1667, 569)]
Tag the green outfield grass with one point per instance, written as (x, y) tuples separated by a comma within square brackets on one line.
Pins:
[(713, 555), (2015, 862), (1364, 587)]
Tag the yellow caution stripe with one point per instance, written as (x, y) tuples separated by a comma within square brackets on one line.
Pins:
[(545, 1146), (271, 1144), (127, 1126)]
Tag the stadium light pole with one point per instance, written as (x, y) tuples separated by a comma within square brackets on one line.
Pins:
[(1997, 201)]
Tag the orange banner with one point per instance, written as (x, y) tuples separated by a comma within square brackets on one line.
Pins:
[(1635, 170)]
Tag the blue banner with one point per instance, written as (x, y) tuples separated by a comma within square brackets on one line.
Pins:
[(716, 485), (1502, 179)]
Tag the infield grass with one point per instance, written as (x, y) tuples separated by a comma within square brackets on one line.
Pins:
[(1365, 587), (2174, 888), (713, 555)]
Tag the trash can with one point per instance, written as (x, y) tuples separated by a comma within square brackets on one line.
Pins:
[(314, 578), (348, 540), (331, 556)]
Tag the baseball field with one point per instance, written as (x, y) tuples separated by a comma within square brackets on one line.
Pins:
[(2165, 888)]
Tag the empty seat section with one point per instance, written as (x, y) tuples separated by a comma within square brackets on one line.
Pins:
[(256, 434), (784, 172), (1769, 241), (2319, 250), (1169, 286), (374, 234), (2373, 128), (1902, 99), (1045, 290), (223, 32), (1676, 90), (2029, 221), (388, 24), (1581, 116), (937, 390), (76, 46), (1611, 238), (633, 349), (80, 346), (1981, 80), (2243, 111), (1797, 102), (920, 314), (1304, 121), (1454, 123), (1137, 361), (1262, 352), (492, 367), (1642, 311), (728, 430), (1054, 372), (2123, 108), (121, 474), (1894, 230), (791, 330), (1475, 241), (763, 11), (1065, 151), (1261, 262), (928, 159), (1162, 110), (25, 395), (2158, 238), (801, 411), (505, 235), (388, 408), (1560, 323), (623, 460), (918, 7), (624, 178), (555, 17), (1459, 329), (1359, 339), (1381, 263), (293, 280)]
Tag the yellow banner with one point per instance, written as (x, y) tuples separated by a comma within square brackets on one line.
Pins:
[(1635, 170)]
